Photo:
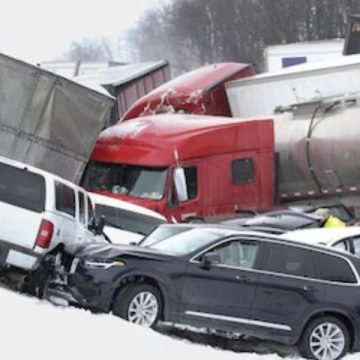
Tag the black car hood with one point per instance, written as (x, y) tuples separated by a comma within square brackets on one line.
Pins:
[(109, 252)]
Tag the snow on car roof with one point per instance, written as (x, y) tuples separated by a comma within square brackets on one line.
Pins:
[(117, 203), (321, 236)]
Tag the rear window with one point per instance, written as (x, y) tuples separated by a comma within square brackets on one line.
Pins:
[(333, 268), (127, 220), (22, 188)]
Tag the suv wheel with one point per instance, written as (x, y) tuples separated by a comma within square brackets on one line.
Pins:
[(139, 304), (325, 338)]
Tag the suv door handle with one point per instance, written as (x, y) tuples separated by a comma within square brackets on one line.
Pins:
[(244, 278), (309, 289)]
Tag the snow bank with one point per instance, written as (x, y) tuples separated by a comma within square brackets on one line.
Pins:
[(34, 329)]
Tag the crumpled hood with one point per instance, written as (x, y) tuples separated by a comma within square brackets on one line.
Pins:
[(112, 252)]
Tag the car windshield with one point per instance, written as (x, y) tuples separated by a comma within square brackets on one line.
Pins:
[(137, 181), (161, 233), (187, 242), (127, 220)]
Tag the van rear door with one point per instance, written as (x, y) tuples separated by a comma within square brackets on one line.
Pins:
[(22, 202)]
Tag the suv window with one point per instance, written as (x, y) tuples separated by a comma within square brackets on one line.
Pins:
[(237, 253), (22, 188), (356, 244), (65, 198), (127, 220), (334, 268), (289, 260)]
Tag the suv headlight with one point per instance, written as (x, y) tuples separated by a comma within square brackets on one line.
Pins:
[(102, 264)]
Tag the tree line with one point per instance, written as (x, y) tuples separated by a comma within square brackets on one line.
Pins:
[(191, 33)]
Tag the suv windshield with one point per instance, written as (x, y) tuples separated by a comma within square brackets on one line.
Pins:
[(187, 241), (161, 233), (137, 181)]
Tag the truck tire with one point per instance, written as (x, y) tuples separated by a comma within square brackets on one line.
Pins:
[(326, 337), (139, 304)]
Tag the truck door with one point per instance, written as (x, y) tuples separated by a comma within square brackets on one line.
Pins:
[(191, 207), (232, 183)]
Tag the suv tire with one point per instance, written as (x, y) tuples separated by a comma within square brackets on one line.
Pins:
[(139, 304), (326, 333)]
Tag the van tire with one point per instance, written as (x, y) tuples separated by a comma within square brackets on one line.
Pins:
[(139, 303), (311, 337)]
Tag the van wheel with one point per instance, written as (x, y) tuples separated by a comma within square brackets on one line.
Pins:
[(139, 304), (325, 338)]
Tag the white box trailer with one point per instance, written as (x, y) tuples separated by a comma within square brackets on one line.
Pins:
[(277, 57), (47, 120), (261, 94)]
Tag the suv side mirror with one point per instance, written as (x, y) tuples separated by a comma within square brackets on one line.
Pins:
[(100, 225), (97, 227), (210, 259)]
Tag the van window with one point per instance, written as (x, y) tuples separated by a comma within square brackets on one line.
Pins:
[(290, 260), (127, 220), (65, 199), (81, 207), (22, 188), (242, 171), (90, 208)]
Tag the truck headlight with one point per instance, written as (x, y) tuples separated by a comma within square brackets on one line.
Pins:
[(102, 264)]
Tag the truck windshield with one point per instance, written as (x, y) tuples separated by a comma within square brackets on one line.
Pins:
[(137, 181)]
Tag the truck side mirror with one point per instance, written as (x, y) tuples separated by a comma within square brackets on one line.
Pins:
[(180, 184)]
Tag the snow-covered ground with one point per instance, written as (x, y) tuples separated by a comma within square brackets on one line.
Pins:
[(35, 329)]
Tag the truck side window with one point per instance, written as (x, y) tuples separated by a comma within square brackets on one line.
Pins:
[(242, 171), (65, 199), (191, 181)]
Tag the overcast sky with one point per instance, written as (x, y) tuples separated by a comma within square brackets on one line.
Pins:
[(39, 30)]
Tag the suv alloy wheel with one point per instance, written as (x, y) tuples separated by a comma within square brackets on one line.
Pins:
[(139, 304), (325, 338)]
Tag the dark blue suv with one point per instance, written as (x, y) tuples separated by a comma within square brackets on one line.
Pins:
[(228, 280)]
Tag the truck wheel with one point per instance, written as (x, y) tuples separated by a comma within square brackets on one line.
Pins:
[(139, 304), (325, 338)]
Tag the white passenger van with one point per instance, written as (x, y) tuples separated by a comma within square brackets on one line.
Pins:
[(39, 213), (125, 223)]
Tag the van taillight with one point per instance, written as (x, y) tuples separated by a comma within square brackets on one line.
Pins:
[(45, 234)]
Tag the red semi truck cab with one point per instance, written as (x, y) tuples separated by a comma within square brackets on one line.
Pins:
[(186, 166), (201, 91)]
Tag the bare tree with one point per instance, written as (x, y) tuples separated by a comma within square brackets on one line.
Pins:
[(190, 33), (90, 50)]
